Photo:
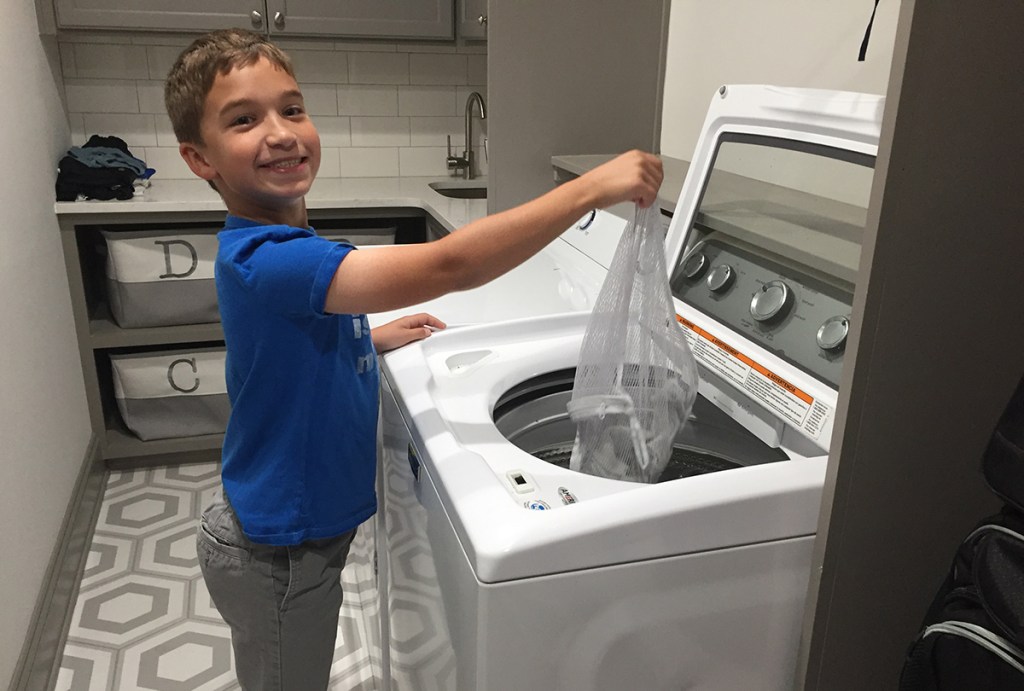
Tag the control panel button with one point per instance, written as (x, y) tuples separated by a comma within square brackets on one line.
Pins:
[(695, 262), (832, 334), (585, 222), (720, 278), (770, 301)]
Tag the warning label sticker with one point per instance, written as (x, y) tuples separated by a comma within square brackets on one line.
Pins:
[(776, 393)]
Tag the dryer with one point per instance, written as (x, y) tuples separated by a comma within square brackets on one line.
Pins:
[(503, 569)]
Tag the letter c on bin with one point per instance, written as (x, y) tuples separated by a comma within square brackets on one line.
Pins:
[(170, 375)]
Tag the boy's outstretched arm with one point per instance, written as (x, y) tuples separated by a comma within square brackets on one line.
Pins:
[(398, 276), (397, 333)]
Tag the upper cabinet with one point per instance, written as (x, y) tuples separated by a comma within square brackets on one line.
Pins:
[(397, 18), (422, 19), (472, 19)]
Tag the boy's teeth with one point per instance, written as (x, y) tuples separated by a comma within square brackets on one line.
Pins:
[(287, 164)]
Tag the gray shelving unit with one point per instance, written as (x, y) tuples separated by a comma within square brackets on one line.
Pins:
[(99, 335)]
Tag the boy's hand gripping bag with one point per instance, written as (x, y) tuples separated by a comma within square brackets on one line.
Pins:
[(637, 379)]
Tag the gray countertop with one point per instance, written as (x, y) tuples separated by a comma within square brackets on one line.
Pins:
[(326, 193)]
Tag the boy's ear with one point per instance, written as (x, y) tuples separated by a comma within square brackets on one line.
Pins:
[(197, 161)]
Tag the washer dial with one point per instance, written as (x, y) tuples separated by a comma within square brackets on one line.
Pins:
[(720, 278), (770, 301), (832, 333), (695, 262)]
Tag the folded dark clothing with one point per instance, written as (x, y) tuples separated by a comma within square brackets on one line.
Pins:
[(107, 142), (74, 178), (103, 168), (107, 157)]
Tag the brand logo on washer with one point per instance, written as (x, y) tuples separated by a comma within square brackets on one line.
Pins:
[(537, 505), (567, 496)]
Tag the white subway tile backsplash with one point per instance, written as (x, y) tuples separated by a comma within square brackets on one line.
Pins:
[(293, 44), (329, 164), (477, 69), (151, 97), (412, 47), (423, 161), (334, 131), (167, 162), (67, 59), (76, 122), (365, 46), (378, 68), (427, 68), (164, 131), (180, 40), (433, 131), (101, 96), (375, 131), (426, 100), (161, 59), (379, 162), (97, 61), (367, 100), (320, 99), (136, 130), (320, 66), (383, 109)]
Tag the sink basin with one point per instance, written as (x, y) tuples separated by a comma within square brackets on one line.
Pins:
[(460, 189)]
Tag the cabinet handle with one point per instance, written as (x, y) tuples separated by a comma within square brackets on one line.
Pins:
[(279, 21), (482, 20), (256, 18)]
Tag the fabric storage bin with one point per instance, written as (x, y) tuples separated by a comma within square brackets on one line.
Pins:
[(161, 278), (174, 393)]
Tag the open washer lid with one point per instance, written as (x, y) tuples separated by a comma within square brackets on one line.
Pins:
[(765, 243)]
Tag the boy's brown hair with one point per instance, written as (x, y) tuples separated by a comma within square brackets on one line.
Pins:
[(193, 73)]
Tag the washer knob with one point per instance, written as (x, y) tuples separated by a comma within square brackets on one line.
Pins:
[(770, 301), (587, 219), (832, 334), (720, 278), (695, 262)]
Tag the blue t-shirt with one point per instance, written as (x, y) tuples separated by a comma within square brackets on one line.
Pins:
[(299, 455)]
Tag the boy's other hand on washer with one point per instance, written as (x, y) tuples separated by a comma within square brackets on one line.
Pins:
[(397, 333)]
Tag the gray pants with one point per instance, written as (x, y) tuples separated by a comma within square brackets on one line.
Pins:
[(282, 603)]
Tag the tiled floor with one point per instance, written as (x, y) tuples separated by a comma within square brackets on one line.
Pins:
[(144, 619)]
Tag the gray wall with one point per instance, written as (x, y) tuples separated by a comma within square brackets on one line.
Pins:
[(938, 339), (569, 78), (44, 426)]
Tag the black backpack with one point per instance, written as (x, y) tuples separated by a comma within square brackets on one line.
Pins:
[(972, 638)]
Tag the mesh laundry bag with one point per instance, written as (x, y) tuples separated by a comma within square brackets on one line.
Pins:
[(637, 379)]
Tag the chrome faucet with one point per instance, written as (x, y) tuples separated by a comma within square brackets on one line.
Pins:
[(465, 162)]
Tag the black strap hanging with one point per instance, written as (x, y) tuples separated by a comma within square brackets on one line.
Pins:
[(867, 35)]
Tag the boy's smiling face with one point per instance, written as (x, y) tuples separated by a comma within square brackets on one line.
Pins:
[(259, 146)]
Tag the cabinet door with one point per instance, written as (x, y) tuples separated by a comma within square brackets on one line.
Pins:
[(395, 19), (187, 15), (472, 19)]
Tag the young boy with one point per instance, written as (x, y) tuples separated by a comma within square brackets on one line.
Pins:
[(300, 451)]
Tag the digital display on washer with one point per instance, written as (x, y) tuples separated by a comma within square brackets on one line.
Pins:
[(775, 245)]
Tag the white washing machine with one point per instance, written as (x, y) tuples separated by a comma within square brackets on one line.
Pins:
[(565, 276), (502, 569)]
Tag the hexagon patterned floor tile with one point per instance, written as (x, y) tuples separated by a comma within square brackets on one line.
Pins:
[(144, 619)]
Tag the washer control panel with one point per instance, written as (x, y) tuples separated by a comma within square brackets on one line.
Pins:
[(800, 317)]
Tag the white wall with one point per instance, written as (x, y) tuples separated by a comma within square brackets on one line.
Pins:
[(805, 43), (44, 426)]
